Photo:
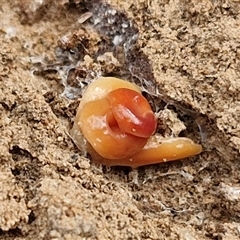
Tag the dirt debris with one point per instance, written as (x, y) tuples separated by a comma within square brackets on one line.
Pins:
[(185, 55)]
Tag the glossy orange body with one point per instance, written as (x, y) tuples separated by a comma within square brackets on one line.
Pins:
[(118, 123)]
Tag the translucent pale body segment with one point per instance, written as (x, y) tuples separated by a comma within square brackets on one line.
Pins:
[(168, 150), (156, 152), (102, 86)]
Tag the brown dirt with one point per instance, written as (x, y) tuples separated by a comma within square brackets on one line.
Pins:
[(185, 56)]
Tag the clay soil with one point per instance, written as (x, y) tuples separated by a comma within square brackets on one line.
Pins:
[(185, 56)]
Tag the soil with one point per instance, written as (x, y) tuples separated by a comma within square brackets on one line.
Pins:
[(185, 57)]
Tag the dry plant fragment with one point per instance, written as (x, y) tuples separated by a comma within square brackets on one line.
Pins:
[(118, 125)]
